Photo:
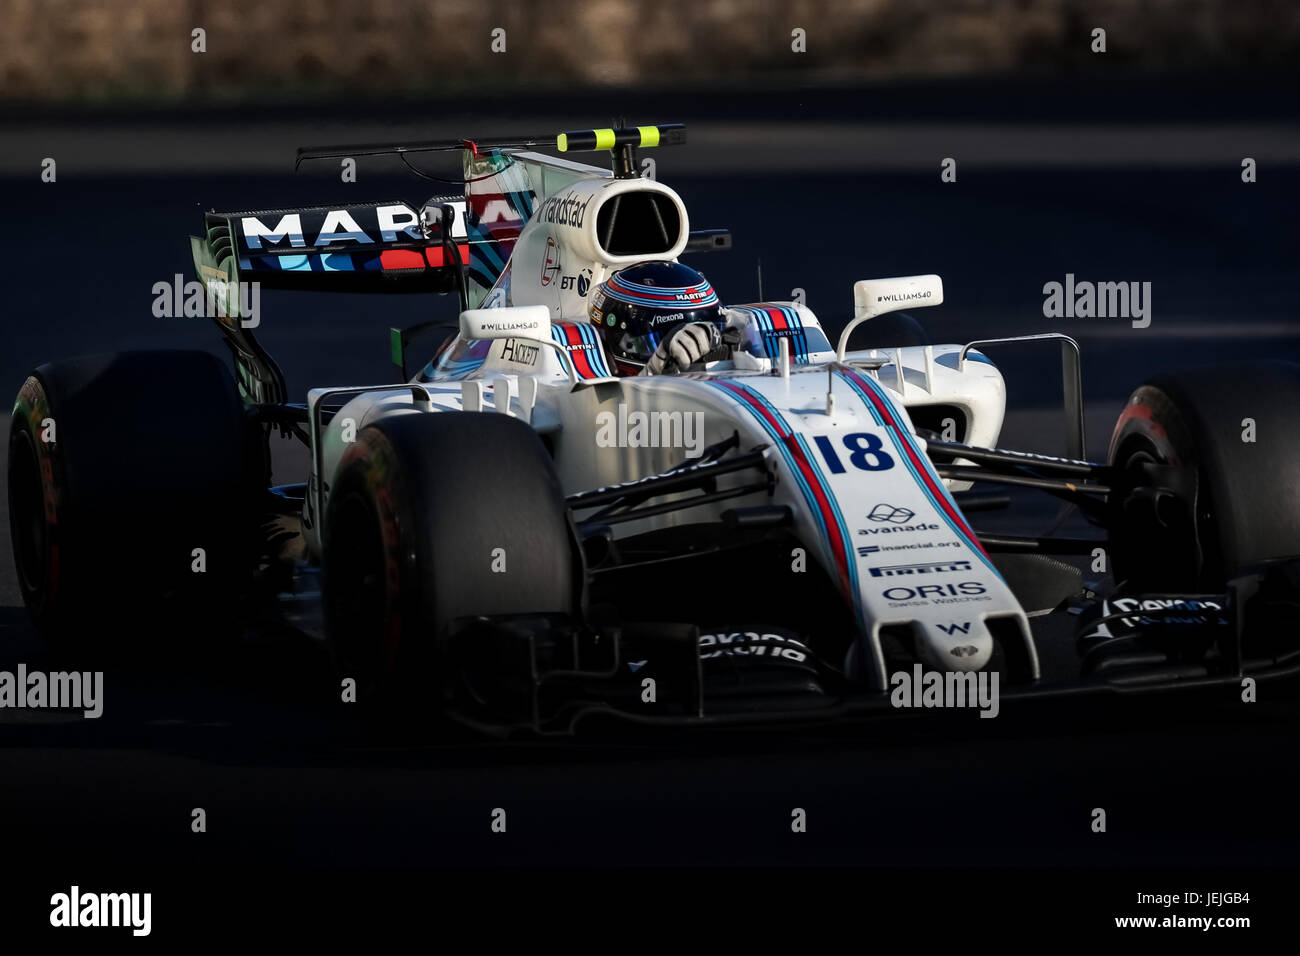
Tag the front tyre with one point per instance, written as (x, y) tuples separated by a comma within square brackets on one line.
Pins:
[(433, 517), (1207, 462), (129, 490)]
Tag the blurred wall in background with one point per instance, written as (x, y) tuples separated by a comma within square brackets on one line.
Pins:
[(266, 50)]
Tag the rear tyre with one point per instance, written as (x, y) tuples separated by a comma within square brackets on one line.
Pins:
[(434, 517), (129, 491), (1207, 461)]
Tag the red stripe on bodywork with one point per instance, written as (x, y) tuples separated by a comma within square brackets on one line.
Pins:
[(810, 475), (778, 318), (578, 356), (435, 257), (940, 493), (400, 259)]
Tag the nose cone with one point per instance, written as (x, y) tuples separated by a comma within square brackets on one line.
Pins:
[(961, 644)]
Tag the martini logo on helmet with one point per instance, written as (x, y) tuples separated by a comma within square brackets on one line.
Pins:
[(637, 309)]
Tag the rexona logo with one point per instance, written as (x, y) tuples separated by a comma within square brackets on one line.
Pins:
[(959, 593), (1169, 612), (932, 567), (752, 644)]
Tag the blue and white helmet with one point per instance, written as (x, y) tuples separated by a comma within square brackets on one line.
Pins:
[(637, 306)]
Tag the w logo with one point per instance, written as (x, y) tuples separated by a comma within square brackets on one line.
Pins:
[(955, 628)]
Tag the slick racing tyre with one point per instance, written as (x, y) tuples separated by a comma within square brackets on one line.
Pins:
[(433, 517), (1207, 463), (127, 490)]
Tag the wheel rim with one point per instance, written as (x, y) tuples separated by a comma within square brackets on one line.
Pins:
[(1165, 530), (28, 530)]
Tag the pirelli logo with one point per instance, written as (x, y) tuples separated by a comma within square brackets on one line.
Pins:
[(932, 567)]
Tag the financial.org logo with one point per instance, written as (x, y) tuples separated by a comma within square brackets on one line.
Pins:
[(883, 512)]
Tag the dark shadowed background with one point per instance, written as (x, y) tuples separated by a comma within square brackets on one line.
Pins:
[(1123, 166)]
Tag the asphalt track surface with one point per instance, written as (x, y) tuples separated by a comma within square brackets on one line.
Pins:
[(286, 780)]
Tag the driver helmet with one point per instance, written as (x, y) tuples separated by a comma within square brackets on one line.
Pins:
[(637, 306)]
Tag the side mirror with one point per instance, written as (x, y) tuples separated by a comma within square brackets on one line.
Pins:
[(872, 297), (531, 322)]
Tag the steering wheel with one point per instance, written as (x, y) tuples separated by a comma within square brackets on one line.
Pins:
[(721, 353)]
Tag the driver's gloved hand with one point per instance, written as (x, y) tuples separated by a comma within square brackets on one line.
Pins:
[(685, 346)]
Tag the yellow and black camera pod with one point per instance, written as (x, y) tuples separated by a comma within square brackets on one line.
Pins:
[(622, 142)]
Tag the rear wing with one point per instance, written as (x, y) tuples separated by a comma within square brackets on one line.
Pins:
[(368, 247), (459, 244)]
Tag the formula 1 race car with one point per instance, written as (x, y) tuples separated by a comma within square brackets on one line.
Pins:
[(524, 538)]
